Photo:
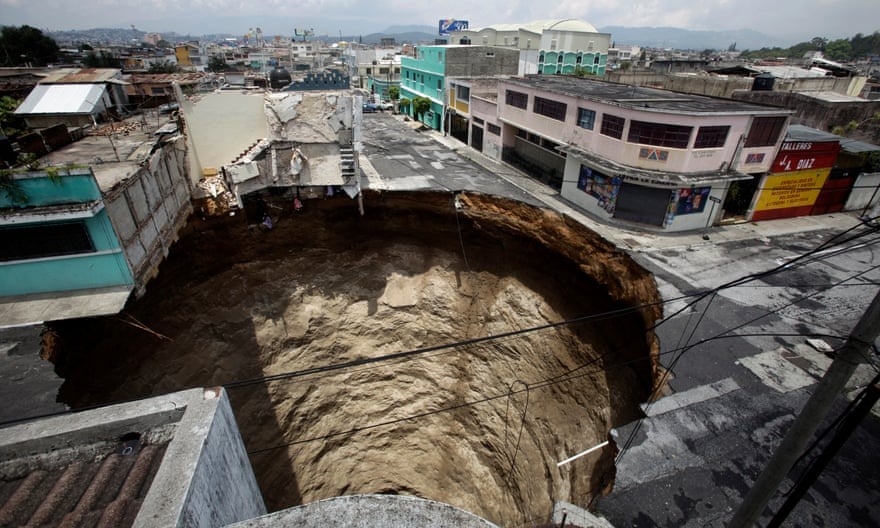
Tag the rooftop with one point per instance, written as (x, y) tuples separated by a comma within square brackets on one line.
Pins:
[(81, 75), (637, 97), (115, 151)]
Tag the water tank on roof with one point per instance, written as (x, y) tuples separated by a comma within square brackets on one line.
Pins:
[(279, 77), (763, 83)]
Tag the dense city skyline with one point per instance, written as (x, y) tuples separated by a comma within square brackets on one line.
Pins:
[(792, 19)]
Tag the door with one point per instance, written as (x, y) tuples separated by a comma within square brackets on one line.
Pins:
[(643, 205)]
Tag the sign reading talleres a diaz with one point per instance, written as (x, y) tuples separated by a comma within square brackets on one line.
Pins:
[(798, 174)]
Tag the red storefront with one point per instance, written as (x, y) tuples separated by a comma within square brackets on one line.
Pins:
[(799, 178)]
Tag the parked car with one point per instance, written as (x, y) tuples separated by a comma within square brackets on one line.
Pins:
[(386, 105), (370, 108)]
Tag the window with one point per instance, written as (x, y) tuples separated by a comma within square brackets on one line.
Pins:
[(612, 126), (517, 99), (659, 134), (550, 108), (439, 84), (553, 44), (478, 121), (369, 71), (765, 131), (586, 118), (462, 93), (383, 71), (46, 240), (157, 90), (711, 137), (493, 129)]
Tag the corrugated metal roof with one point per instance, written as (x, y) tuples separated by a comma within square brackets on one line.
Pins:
[(62, 99)]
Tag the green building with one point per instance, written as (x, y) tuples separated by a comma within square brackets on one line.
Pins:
[(429, 73)]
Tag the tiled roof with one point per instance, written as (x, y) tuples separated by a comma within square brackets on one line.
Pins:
[(102, 486)]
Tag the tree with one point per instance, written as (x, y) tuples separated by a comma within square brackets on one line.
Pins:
[(393, 93), (420, 106), (839, 50), (103, 59), (217, 63), (403, 105), (819, 43), (20, 46), (11, 124)]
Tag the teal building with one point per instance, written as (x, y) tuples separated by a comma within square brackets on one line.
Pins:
[(56, 235), (429, 73)]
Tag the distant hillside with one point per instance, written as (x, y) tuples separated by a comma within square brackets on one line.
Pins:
[(676, 38)]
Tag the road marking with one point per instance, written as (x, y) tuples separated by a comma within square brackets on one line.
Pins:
[(690, 397), (777, 372)]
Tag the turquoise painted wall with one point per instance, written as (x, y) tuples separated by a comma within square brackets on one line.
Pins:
[(104, 268), (549, 62), (40, 190), (425, 76)]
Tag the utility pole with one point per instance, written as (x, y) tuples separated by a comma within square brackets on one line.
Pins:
[(849, 424), (811, 416)]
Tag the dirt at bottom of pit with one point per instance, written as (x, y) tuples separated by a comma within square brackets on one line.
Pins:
[(479, 425)]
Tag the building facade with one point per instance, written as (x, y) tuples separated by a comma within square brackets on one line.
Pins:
[(625, 154), (549, 47), (431, 71)]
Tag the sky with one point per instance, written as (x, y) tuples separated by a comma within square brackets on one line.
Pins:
[(797, 20)]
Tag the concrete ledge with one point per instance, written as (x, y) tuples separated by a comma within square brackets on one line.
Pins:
[(370, 511)]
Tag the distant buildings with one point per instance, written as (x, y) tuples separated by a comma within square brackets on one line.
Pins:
[(546, 46)]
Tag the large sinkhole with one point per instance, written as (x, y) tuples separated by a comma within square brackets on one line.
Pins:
[(480, 424)]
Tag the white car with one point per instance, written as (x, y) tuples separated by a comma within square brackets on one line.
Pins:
[(386, 105)]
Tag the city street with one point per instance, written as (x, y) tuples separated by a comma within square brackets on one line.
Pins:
[(734, 394)]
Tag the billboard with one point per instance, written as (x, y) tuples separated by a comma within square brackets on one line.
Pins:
[(449, 25)]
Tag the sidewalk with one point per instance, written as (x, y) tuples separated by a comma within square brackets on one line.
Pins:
[(633, 239)]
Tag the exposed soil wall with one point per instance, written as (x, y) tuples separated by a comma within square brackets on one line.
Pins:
[(480, 425)]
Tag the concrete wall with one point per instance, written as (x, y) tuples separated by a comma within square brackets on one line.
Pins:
[(725, 86), (474, 61), (370, 511), (149, 209), (822, 114), (206, 478), (865, 193)]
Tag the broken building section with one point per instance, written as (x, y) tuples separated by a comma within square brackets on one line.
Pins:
[(88, 224), (309, 150)]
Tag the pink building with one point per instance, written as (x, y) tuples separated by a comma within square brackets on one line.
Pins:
[(662, 160)]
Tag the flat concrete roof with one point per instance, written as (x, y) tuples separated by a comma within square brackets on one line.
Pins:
[(641, 98), (22, 310), (113, 151)]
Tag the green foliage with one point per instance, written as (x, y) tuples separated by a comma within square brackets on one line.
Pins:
[(582, 72), (103, 59), (393, 93), (85, 46), (838, 50), (11, 124), (20, 46), (421, 105), (163, 67), (403, 104), (217, 63)]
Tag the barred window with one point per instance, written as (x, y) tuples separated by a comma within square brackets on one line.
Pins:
[(586, 118), (659, 134), (493, 129), (550, 108), (711, 137), (612, 126), (517, 99)]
